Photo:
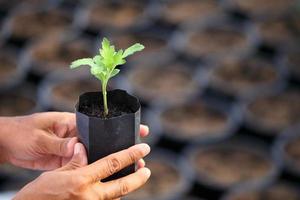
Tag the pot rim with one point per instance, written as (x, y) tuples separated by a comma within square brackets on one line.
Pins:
[(112, 118)]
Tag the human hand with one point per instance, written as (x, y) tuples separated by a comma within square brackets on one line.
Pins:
[(77, 181), (43, 141)]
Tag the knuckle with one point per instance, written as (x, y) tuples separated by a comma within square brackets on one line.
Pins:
[(113, 165), (124, 188), (132, 156), (61, 146), (74, 165)]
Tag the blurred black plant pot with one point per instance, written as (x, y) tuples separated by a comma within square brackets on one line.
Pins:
[(101, 135)]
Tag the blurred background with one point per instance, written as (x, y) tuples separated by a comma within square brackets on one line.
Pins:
[(218, 82)]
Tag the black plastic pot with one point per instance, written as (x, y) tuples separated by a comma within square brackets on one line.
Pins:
[(114, 15), (246, 77), (21, 101), (12, 71), (163, 83), (271, 113), (201, 120), (286, 149), (176, 12), (276, 32), (259, 9), (279, 190), (169, 178), (215, 38), (102, 137), (56, 51), (27, 22), (251, 158), (60, 89), (192, 198), (292, 62)]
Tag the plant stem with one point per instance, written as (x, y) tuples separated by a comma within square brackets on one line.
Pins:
[(104, 94)]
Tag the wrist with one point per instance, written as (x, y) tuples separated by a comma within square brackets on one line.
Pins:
[(6, 126)]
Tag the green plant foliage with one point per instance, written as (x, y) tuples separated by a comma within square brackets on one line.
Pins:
[(103, 66)]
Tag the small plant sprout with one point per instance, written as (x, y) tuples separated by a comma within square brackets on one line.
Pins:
[(103, 66)]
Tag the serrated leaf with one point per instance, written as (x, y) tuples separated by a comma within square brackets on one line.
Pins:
[(107, 53), (134, 48), (114, 72), (96, 70), (81, 62), (118, 58), (97, 60)]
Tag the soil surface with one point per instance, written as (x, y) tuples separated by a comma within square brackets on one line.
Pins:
[(115, 15), (28, 24), (225, 166), (279, 191), (263, 7), (293, 151), (66, 93), (52, 53), (293, 62), (193, 120), (164, 180), (8, 67), (286, 112), (115, 110), (241, 76), (275, 31), (213, 40), (171, 83), (188, 10)]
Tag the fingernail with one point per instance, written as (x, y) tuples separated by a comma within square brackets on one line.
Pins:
[(147, 172), (143, 162), (145, 147), (147, 128), (77, 148)]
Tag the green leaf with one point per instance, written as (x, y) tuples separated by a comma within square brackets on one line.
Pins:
[(96, 70), (134, 48), (83, 61), (97, 60), (114, 73), (107, 53), (118, 58)]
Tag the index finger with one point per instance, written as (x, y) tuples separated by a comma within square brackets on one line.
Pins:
[(45, 119), (113, 163)]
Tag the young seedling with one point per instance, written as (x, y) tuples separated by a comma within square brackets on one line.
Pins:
[(103, 66)]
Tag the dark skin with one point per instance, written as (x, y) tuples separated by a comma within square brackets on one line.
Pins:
[(48, 141)]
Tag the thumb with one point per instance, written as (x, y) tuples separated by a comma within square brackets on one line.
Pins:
[(54, 145), (78, 160)]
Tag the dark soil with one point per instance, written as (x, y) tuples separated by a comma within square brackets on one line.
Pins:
[(97, 110)]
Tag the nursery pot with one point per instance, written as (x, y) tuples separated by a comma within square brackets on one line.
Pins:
[(104, 136)]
